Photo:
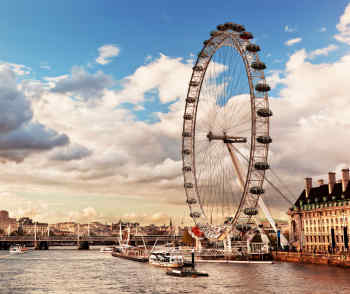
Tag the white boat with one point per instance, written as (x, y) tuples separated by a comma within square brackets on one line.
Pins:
[(17, 249), (106, 250), (166, 259)]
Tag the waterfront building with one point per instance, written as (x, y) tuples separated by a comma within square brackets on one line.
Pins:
[(319, 219), (68, 227), (7, 224)]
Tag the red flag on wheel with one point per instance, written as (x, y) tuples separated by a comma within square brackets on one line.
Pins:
[(197, 231)]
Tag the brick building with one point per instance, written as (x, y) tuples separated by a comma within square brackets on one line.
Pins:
[(7, 224), (319, 219)]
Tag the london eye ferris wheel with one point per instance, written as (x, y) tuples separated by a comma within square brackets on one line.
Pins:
[(226, 136)]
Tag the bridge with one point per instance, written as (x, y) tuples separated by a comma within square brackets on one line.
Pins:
[(44, 241)]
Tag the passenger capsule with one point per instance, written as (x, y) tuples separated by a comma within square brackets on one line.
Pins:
[(221, 27), (188, 116), (228, 25), (191, 201), (246, 35), (186, 151), (264, 112), (250, 211), (186, 134), (253, 48), (186, 168), (188, 185), (195, 214), (238, 28), (262, 87), (214, 33), (257, 190), (190, 100), (264, 139), (194, 83), (258, 65), (198, 68), (261, 165)]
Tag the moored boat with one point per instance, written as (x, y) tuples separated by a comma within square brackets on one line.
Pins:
[(186, 272), (18, 248), (130, 253), (106, 250), (166, 259)]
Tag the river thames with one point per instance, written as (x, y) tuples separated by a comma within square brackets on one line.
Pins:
[(72, 271)]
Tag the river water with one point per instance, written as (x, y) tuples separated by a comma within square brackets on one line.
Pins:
[(73, 271)]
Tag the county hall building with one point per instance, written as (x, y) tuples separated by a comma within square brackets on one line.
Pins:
[(319, 219)]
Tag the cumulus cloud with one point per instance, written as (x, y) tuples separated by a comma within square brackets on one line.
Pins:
[(344, 27), (15, 108), (71, 152), (20, 136), (107, 52), (292, 41), (82, 84), (323, 29), (323, 51), (169, 76), (308, 135)]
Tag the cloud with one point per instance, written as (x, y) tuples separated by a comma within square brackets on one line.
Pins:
[(71, 152), (106, 53), (87, 214), (288, 29), (274, 78), (18, 69), (292, 41), (169, 76), (322, 30), (31, 138), (19, 135), (344, 27), (82, 84), (322, 51), (316, 98), (15, 108)]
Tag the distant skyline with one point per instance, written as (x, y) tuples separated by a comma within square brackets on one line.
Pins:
[(92, 97)]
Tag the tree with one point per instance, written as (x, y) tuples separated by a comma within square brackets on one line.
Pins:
[(187, 238)]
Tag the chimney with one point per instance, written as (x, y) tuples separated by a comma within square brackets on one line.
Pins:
[(331, 181), (320, 182), (344, 178), (308, 186)]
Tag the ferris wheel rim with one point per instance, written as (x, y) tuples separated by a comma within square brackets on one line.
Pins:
[(202, 63)]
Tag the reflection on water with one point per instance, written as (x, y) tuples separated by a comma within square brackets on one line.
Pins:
[(73, 271)]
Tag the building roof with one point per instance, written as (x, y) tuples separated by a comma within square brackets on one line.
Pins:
[(320, 195)]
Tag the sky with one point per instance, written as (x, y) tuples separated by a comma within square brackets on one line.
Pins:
[(92, 96)]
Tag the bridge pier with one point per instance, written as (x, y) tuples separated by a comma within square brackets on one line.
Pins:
[(5, 245), (83, 245), (41, 245)]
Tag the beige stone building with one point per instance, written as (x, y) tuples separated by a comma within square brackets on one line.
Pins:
[(319, 219)]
